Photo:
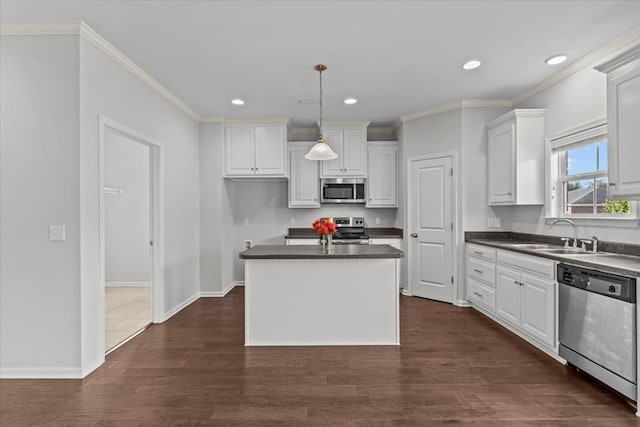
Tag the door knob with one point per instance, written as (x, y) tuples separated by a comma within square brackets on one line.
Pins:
[(414, 235)]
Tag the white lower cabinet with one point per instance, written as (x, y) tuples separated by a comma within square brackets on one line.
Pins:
[(523, 297), (393, 242)]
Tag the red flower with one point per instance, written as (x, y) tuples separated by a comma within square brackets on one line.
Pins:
[(325, 227)]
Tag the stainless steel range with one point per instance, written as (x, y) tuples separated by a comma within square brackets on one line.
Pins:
[(349, 231)]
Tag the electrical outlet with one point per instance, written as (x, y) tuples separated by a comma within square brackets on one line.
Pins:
[(246, 221), (57, 232), (496, 222), (378, 220), (490, 222), (248, 244)]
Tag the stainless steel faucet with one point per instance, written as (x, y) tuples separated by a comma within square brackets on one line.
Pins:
[(575, 229)]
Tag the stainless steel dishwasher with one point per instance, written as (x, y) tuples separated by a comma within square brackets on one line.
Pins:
[(597, 325)]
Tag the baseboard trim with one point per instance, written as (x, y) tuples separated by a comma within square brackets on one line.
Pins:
[(222, 293), (128, 284), (92, 366), (38, 373), (175, 310), (462, 303)]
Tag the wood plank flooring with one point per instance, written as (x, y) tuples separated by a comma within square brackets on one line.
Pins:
[(454, 367)]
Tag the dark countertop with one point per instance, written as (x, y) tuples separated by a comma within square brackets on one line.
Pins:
[(318, 252), (373, 232), (616, 258)]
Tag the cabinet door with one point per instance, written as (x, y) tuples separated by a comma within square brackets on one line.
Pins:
[(382, 181), (304, 180), (333, 168), (508, 295), (624, 132), (239, 151), (502, 164), (270, 151), (538, 308), (354, 149)]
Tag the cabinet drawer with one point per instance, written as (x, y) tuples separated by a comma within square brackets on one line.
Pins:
[(482, 270), (481, 251), (481, 294), (533, 264)]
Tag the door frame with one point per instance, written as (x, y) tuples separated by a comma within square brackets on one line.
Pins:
[(455, 218), (156, 229)]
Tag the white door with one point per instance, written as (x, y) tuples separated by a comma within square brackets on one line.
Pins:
[(502, 164), (431, 228), (239, 150), (538, 308), (354, 147), (333, 138)]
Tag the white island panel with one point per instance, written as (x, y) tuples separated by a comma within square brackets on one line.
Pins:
[(321, 302)]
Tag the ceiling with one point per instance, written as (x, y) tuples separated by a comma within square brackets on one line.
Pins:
[(395, 57)]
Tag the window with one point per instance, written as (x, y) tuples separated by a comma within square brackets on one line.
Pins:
[(580, 182)]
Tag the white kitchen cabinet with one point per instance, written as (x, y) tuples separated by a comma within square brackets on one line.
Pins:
[(255, 151), (481, 270), (516, 158), (623, 126), (382, 174), (525, 295), (349, 141), (304, 177), (302, 241), (393, 242)]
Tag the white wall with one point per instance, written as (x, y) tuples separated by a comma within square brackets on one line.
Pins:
[(109, 90), (39, 278), (54, 88), (127, 215), (575, 100)]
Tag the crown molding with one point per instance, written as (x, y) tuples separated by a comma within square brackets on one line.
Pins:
[(604, 53), (380, 130), (463, 103), (81, 29), (211, 119), (619, 61)]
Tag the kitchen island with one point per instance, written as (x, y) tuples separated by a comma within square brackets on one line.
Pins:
[(306, 295)]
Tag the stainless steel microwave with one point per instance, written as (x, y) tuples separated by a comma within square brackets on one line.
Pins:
[(343, 190)]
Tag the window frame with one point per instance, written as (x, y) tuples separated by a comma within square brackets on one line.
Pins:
[(584, 134)]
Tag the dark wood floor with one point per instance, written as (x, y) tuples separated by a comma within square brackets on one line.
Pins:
[(454, 367)]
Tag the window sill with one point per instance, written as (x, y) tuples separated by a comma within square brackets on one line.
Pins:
[(611, 222)]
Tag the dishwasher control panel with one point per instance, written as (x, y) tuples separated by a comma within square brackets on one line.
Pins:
[(612, 285)]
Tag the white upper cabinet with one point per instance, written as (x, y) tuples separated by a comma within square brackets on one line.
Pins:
[(516, 158), (382, 181), (304, 179), (255, 151), (623, 124), (349, 141)]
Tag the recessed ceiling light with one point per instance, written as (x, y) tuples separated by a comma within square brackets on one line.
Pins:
[(471, 65), (350, 100), (237, 101), (556, 59)]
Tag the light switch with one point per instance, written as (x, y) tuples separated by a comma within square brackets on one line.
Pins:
[(496, 222), (57, 232), (378, 220), (246, 221)]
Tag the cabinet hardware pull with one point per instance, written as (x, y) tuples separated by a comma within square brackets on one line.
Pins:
[(414, 235), (477, 271), (515, 282), (477, 294), (612, 184), (478, 252)]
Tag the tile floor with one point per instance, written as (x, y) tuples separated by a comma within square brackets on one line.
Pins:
[(127, 310)]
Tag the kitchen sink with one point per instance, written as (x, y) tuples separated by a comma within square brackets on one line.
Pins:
[(533, 246), (566, 251)]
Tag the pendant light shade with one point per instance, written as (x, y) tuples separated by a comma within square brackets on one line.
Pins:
[(321, 150)]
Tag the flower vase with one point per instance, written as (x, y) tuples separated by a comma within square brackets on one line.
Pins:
[(328, 242)]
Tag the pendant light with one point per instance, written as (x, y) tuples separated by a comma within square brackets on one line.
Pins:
[(321, 150)]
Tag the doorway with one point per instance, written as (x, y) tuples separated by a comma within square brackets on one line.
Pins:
[(430, 210), (130, 230)]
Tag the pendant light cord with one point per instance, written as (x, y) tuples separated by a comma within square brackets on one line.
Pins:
[(321, 133)]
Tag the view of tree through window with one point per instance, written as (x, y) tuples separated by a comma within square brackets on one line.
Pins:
[(586, 183)]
